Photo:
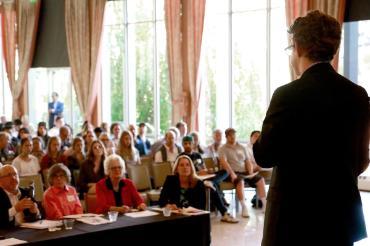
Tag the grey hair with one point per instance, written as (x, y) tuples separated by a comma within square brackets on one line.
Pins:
[(108, 161), (56, 168)]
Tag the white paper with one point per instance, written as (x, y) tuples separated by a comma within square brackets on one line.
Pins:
[(11, 241), (192, 211), (42, 224), (96, 220), (144, 213)]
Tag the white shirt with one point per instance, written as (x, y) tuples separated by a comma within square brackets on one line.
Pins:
[(171, 156), (27, 168), (12, 212)]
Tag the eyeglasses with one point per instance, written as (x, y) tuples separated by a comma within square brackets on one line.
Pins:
[(289, 50), (116, 167)]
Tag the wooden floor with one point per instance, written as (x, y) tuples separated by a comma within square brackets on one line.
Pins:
[(248, 232)]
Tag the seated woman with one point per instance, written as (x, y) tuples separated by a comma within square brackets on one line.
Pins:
[(53, 154), (126, 149), (38, 148), (116, 193), (60, 199), (184, 188), (26, 164), (92, 169), (75, 156)]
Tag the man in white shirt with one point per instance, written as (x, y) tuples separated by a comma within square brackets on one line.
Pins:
[(16, 206), (169, 151)]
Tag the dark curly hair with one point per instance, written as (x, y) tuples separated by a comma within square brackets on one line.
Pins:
[(318, 34)]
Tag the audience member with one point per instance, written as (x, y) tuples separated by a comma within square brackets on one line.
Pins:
[(92, 169), (60, 199), (116, 193), (16, 204), (38, 148), (169, 151), (115, 131), (127, 150), (53, 154), (142, 143), (184, 189), (233, 158), (196, 143), (25, 163), (108, 143), (43, 133)]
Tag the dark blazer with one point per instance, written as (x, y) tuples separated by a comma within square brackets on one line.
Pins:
[(315, 135), (5, 205), (170, 193), (142, 146), (59, 107)]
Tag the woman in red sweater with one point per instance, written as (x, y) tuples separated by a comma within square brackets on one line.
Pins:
[(116, 193)]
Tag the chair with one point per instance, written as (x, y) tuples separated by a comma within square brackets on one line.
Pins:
[(208, 161), (160, 172), (147, 161), (90, 202), (36, 180), (139, 175)]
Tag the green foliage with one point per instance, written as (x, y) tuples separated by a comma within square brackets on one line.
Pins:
[(165, 96), (116, 70), (248, 111)]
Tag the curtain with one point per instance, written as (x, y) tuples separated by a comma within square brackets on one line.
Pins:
[(184, 26), (193, 14), (84, 23), (24, 15), (297, 8), (174, 57)]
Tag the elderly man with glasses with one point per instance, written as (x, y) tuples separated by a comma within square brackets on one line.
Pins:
[(16, 204)]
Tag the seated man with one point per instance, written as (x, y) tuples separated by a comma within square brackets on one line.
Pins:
[(6, 150), (142, 143), (16, 204), (233, 158), (169, 151)]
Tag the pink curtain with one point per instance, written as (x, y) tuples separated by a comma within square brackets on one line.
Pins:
[(24, 15), (174, 57), (193, 20), (297, 8), (84, 23), (184, 26)]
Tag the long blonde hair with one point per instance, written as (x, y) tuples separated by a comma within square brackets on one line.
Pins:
[(193, 178), (127, 153)]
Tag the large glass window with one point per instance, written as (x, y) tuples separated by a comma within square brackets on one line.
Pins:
[(41, 83), (140, 74), (244, 61)]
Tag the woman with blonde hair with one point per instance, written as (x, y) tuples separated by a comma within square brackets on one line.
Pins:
[(126, 149), (184, 188)]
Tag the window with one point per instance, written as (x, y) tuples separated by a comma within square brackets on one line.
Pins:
[(41, 83), (135, 64), (245, 68)]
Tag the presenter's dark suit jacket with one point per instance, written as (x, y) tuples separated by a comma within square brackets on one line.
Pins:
[(315, 135), (59, 108), (5, 205)]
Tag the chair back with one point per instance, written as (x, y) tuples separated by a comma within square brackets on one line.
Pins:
[(148, 161), (160, 172), (90, 202), (208, 161), (36, 180), (139, 175)]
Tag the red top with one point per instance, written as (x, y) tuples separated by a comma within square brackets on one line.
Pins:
[(105, 196), (60, 202)]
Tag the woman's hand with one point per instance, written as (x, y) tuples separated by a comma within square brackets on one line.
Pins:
[(141, 207), (172, 206)]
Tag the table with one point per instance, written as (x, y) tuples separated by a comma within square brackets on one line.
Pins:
[(153, 230)]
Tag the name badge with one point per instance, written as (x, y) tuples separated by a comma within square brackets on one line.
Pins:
[(71, 198)]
